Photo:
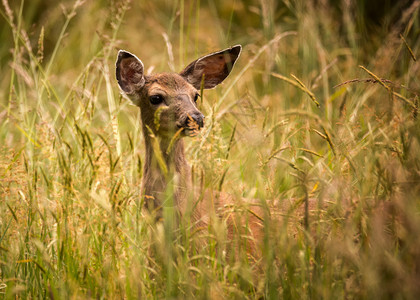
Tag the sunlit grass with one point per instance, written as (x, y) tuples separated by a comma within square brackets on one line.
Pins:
[(72, 222)]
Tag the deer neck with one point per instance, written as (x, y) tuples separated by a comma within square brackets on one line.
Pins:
[(165, 172)]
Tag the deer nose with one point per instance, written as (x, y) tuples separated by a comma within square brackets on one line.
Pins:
[(195, 117), (198, 118)]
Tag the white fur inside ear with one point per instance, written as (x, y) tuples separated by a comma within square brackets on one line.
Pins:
[(129, 71), (214, 67)]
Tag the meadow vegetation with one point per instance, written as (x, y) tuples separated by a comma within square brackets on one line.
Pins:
[(323, 103)]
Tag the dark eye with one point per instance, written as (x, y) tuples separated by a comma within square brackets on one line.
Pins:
[(156, 99), (196, 97)]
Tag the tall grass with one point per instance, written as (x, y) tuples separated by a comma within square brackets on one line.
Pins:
[(72, 223)]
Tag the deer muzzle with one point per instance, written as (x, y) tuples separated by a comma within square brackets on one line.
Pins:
[(189, 117), (192, 121)]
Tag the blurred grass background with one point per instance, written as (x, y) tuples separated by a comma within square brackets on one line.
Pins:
[(71, 220)]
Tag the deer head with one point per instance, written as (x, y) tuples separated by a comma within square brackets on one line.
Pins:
[(171, 96)]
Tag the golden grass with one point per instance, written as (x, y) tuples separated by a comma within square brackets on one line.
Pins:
[(72, 223)]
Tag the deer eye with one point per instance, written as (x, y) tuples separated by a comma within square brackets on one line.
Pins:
[(196, 97), (156, 99)]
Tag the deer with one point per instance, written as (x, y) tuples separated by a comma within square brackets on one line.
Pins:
[(173, 98)]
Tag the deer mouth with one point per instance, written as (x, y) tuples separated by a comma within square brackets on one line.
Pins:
[(188, 131), (191, 125)]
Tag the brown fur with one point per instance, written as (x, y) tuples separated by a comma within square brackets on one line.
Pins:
[(178, 92)]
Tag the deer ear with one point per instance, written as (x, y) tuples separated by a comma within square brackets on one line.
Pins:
[(215, 67), (129, 72)]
